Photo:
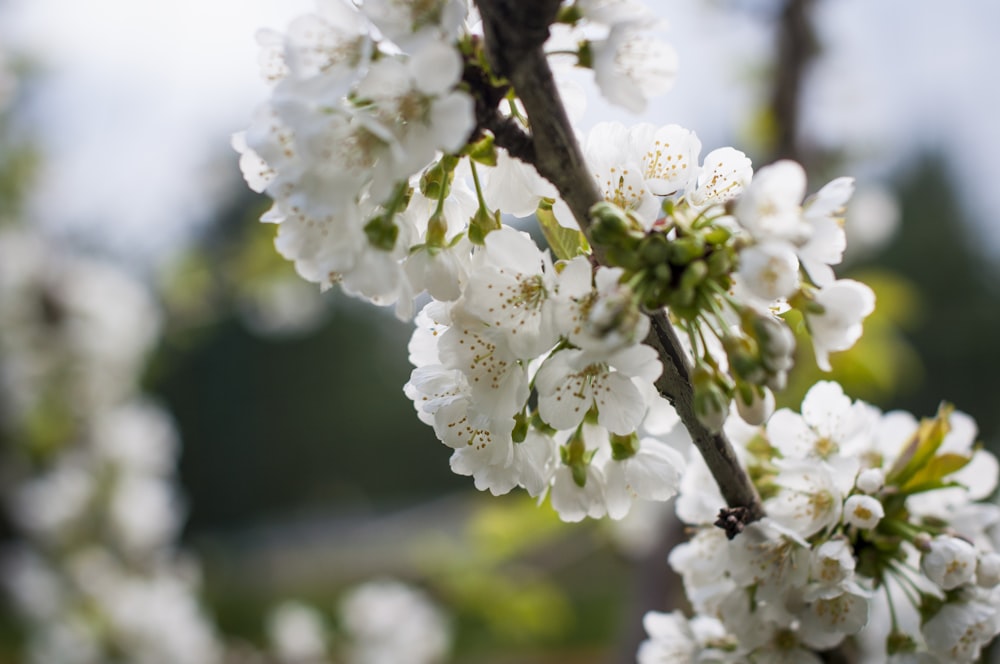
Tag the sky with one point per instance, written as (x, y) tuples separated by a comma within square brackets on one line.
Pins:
[(136, 101)]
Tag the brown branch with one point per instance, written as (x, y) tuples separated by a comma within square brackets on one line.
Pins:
[(796, 49), (515, 31)]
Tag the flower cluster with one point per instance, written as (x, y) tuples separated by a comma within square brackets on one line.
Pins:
[(389, 145), (381, 621), (533, 370), (868, 513), (525, 331), (91, 466), (363, 99)]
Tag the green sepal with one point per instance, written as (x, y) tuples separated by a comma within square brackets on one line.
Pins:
[(521, 425), (575, 455), (761, 447), (437, 230), (483, 151), (482, 224), (541, 425), (624, 447), (930, 605), (898, 643), (382, 232), (569, 14), (435, 183), (585, 55), (566, 243)]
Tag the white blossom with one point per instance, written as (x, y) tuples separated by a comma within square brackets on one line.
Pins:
[(988, 569), (846, 303), (724, 174), (669, 156), (297, 633), (574, 502), (949, 562), (512, 289), (770, 270), (387, 622), (958, 632), (571, 382), (630, 67), (771, 207), (653, 472)]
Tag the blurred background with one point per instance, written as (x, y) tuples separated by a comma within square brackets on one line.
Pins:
[(205, 459)]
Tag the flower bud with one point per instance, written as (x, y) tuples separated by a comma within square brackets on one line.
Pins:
[(863, 512), (719, 263), (870, 480), (611, 226), (654, 249), (693, 275), (686, 249), (759, 407), (743, 358), (988, 570), (711, 405)]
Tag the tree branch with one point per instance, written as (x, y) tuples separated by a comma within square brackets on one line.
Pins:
[(515, 32), (797, 48)]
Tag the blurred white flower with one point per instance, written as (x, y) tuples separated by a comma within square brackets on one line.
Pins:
[(389, 622)]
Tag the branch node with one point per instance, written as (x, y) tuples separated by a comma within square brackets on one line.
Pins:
[(734, 519)]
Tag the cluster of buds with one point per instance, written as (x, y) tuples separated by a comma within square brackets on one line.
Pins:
[(680, 266), (728, 264)]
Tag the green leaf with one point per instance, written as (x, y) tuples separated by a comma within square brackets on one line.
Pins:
[(935, 471), (919, 452), (566, 243)]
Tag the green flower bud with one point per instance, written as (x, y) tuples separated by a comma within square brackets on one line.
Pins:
[(720, 262), (693, 275), (610, 224), (482, 224), (717, 235), (686, 249), (654, 249), (623, 256), (435, 183), (711, 405), (663, 273)]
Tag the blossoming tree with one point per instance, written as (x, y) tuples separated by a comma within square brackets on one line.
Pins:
[(400, 136)]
